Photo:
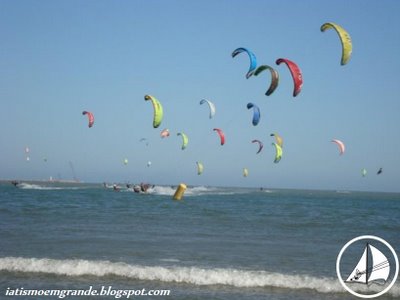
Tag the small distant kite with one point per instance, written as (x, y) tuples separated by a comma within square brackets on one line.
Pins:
[(164, 133), (27, 150), (278, 153), (200, 168), (256, 113), (278, 139), (158, 110), (90, 117), (221, 135), (185, 140), (144, 140), (364, 172), (211, 106), (340, 144), (260, 145)]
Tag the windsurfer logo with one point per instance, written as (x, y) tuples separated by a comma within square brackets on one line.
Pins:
[(376, 271)]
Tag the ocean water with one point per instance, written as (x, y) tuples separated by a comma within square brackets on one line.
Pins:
[(217, 243)]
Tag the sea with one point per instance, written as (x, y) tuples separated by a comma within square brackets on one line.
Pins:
[(215, 243)]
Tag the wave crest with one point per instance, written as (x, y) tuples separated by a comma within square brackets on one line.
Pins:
[(190, 191), (189, 275)]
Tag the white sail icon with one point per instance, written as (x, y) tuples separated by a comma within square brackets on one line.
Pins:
[(373, 267)]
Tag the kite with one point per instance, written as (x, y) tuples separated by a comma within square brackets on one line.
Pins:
[(345, 39), (341, 146), (164, 133), (252, 57), (260, 145), (278, 139), (90, 117), (278, 154), (185, 140), (200, 168), (274, 78), (158, 110), (221, 135), (256, 113), (364, 172), (296, 74), (210, 105)]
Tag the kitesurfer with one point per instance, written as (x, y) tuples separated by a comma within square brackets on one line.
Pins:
[(144, 187), (15, 183)]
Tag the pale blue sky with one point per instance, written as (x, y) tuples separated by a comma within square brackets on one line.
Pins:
[(58, 58)]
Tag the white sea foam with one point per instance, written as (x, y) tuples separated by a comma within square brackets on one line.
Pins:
[(31, 186), (169, 190), (190, 191), (170, 260), (162, 190), (189, 275), (35, 186)]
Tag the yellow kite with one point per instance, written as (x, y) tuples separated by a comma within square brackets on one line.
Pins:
[(347, 47), (158, 110)]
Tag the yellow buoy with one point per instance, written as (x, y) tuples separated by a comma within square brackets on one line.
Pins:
[(179, 191)]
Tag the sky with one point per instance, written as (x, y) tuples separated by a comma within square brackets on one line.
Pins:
[(59, 58)]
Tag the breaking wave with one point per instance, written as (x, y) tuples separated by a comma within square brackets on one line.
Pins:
[(190, 191), (189, 275), (31, 186)]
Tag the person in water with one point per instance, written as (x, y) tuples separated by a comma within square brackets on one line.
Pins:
[(141, 188), (144, 187), (15, 182)]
